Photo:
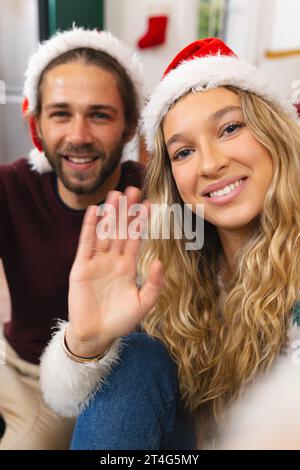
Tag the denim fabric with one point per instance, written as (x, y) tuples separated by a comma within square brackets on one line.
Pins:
[(139, 406), (296, 314)]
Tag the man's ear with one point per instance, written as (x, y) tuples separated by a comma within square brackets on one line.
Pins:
[(36, 134), (37, 125), (129, 134), (34, 125)]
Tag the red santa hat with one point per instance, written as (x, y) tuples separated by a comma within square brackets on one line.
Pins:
[(54, 47), (205, 64)]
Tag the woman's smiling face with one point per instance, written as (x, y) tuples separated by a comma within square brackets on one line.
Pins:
[(215, 158)]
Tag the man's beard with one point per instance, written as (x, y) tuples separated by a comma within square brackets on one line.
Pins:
[(109, 164)]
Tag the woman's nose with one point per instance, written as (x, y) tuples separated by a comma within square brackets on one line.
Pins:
[(212, 159)]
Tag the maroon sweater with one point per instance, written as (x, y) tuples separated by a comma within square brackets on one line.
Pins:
[(38, 241)]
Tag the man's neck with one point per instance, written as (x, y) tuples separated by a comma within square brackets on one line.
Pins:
[(82, 201)]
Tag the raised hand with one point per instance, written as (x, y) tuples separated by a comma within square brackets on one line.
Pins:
[(104, 300)]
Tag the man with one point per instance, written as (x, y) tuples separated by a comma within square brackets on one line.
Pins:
[(83, 91)]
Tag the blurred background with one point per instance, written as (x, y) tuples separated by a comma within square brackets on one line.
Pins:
[(264, 32)]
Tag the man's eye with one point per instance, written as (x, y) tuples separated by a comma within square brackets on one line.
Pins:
[(181, 154), (99, 115), (59, 114)]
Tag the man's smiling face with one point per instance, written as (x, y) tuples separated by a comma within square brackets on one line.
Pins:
[(81, 124)]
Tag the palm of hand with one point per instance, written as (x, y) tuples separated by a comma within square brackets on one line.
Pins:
[(104, 300)]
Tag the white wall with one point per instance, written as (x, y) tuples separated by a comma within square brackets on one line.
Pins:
[(127, 19), (284, 35), (255, 26), (285, 31), (18, 38), (2, 109), (248, 27)]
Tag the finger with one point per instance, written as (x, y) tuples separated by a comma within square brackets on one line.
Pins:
[(134, 195), (138, 229), (87, 234), (152, 287), (106, 226), (131, 196)]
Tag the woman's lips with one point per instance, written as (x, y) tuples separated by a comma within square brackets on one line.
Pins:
[(226, 198)]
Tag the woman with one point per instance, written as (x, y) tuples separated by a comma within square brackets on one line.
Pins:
[(221, 138)]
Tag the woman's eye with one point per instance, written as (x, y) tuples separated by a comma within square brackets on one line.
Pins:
[(181, 154), (232, 128)]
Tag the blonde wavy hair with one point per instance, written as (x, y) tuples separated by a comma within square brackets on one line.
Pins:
[(217, 354)]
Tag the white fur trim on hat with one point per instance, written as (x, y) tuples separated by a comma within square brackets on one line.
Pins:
[(68, 386), (201, 74), (76, 38), (38, 161)]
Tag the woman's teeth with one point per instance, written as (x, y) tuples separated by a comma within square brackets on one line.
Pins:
[(226, 190)]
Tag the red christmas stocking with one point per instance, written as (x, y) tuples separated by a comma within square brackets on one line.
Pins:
[(156, 34)]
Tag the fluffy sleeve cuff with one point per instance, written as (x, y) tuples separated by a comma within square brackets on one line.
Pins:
[(68, 386)]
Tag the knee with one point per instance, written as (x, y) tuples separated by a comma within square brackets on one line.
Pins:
[(145, 375), (148, 361)]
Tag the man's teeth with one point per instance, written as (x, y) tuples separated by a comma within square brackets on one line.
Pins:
[(226, 190), (81, 160)]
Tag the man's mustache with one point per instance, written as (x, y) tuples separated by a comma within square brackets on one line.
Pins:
[(84, 149)]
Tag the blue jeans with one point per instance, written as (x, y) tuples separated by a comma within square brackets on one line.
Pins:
[(139, 406)]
